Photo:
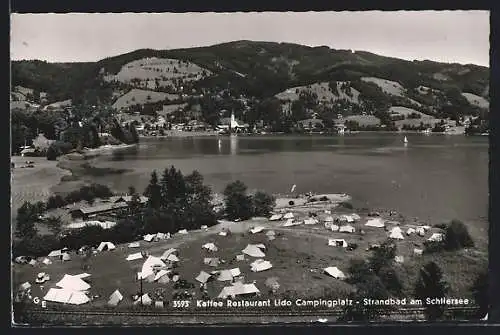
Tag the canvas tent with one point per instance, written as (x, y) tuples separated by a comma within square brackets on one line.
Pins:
[(260, 265), (275, 217), (418, 251), (66, 296), (355, 217), (148, 237), (55, 253), (335, 272), (167, 253), (347, 218), (72, 283), (420, 231), (145, 300), (223, 233), (288, 215), (182, 232), (83, 275), (347, 229), (47, 261), (115, 298), (214, 262), (148, 267), (159, 304), (410, 231), (203, 277), (204, 227), (238, 289), (329, 219), (106, 246), (160, 274), (225, 275), (399, 259), (310, 221), (253, 250), (331, 226), (256, 230), (66, 257), (210, 247), (377, 223), (172, 258), (436, 237), (24, 286), (240, 257), (396, 233), (134, 245), (235, 272), (337, 243), (133, 257), (289, 223)]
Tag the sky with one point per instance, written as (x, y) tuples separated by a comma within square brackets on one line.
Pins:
[(443, 36)]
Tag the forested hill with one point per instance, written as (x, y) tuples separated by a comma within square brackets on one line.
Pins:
[(256, 69)]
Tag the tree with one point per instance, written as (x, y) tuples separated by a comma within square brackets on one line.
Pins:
[(27, 216), (382, 256), (430, 284), (153, 192), (54, 224), (457, 236), (238, 203), (263, 203)]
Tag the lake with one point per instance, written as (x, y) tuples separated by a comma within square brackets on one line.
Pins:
[(433, 177)]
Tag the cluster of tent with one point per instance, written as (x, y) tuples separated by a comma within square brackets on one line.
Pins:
[(70, 290), (156, 237)]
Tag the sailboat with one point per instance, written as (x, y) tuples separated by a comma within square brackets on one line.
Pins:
[(405, 141)]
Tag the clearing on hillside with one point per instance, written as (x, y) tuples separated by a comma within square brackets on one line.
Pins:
[(139, 97), (476, 100), (387, 86), (323, 91)]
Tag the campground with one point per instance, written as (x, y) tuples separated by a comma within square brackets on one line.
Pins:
[(298, 255)]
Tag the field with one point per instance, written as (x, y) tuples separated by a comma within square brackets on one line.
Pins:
[(33, 184), (364, 120), (138, 96), (476, 100), (387, 86), (298, 255), (322, 90)]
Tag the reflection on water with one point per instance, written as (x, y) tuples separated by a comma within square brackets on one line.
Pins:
[(435, 177)]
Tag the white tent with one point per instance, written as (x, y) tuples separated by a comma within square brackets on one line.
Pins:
[(204, 227), (182, 232), (159, 304), (66, 257), (289, 223), (153, 262), (83, 275), (55, 253), (160, 274), (396, 233), (172, 258), (418, 251), (410, 231), (148, 237), (240, 257), (203, 277), (399, 259), (310, 221), (288, 215), (331, 226), (238, 289), (72, 283), (377, 223), (235, 272), (161, 236), (24, 286), (115, 298), (133, 257), (225, 275), (47, 261), (426, 228), (271, 233), (260, 265), (66, 296), (253, 250), (329, 219), (134, 245), (211, 261), (145, 299), (210, 247), (256, 230), (420, 231), (347, 229), (260, 246), (355, 217), (275, 217), (327, 211), (335, 272), (223, 233), (436, 237), (106, 246), (32, 262), (167, 253), (347, 218), (337, 243)]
